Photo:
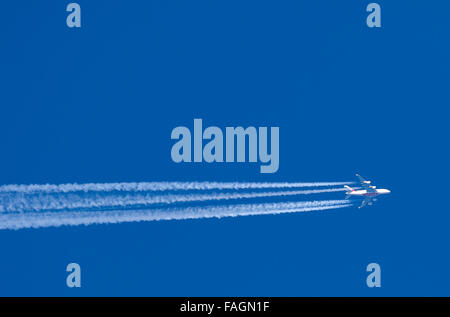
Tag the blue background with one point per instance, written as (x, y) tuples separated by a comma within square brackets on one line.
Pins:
[(97, 104)]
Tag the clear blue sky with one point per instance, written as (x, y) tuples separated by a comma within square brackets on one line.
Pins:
[(97, 104)]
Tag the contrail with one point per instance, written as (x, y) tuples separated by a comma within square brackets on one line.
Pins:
[(156, 186), (56, 219), (20, 202)]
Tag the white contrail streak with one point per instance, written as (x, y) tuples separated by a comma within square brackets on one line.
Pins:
[(56, 219), (19, 202), (156, 186)]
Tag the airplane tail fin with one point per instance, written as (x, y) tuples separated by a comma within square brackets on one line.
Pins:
[(349, 188)]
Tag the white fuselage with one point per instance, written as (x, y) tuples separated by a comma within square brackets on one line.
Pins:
[(368, 193)]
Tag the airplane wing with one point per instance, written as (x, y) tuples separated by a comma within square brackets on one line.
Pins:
[(364, 183), (365, 202)]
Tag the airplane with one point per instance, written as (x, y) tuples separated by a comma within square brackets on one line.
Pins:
[(369, 192)]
